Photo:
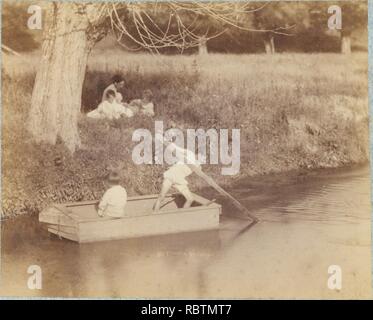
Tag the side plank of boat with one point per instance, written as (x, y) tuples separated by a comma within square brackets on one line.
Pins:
[(79, 221)]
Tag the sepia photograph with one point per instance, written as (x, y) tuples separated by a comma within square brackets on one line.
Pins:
[(185, 150)]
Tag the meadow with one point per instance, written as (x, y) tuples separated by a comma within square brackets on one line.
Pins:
[(295, 112)]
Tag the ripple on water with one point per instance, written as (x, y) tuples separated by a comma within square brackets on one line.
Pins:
[(344, 201)]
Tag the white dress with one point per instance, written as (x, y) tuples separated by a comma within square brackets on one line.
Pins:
[(119, 110), (107, 110)]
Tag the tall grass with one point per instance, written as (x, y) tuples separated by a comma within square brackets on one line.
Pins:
[(294, 111)]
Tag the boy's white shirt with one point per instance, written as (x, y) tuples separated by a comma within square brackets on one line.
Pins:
[(180, 169), (185, 156), (113, 202)]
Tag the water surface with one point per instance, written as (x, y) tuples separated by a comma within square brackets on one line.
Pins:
[(308, 222)]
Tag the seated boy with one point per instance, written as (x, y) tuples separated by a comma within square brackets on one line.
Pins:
[(114, 200), (145, 105), (176, 174)]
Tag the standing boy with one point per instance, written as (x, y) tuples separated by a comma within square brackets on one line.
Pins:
[(176, 174)]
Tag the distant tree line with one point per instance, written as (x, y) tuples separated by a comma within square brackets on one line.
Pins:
[(288, 26), (269, 27), (265, 27)]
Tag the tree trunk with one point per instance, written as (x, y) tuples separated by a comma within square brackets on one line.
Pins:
[(269, 44), (56, 96), (345, 44), (202, 46)]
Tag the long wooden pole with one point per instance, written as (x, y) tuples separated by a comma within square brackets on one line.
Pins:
[(213, 184)]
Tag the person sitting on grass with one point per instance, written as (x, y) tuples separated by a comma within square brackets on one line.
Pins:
[(110, 109), (117, 84), (114, 200), (143, 106), (176, 174)]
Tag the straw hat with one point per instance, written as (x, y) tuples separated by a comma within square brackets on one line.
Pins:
[(113, 177)]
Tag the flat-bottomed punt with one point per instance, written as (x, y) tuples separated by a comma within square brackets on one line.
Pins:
[(79, 221)]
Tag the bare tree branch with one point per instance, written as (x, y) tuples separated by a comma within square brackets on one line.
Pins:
[(181, 30)]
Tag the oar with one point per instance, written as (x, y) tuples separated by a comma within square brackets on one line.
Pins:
[(213, 184)]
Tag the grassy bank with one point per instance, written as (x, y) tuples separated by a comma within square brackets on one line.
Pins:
[(295, 112)]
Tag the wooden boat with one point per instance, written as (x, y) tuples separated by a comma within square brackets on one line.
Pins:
[(79, 221)]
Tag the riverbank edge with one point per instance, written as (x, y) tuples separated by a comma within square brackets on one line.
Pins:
[(281, 178)]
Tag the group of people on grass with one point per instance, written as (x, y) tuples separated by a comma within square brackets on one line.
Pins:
[(113, 107)]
